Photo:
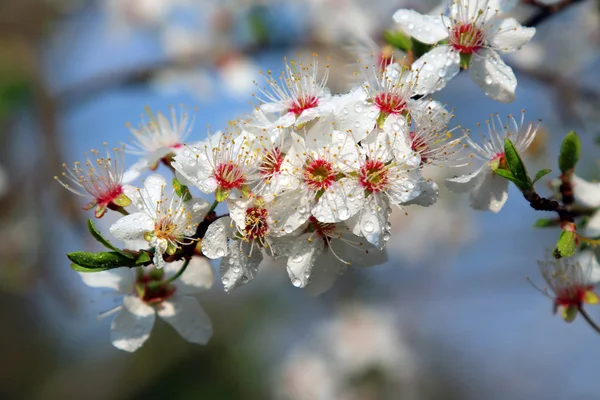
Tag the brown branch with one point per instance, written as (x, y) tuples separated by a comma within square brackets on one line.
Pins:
[(588, 319)]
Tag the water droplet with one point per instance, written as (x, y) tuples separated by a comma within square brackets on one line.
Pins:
[(236, 269), (358, 108), (356, 124), (411, 26), (488, 80), (225, 280), (296, 282), (220, 252), (187, 153), (369, 227), (288, 229), (244, 279), (386, 236), (442, 72), (395, 127), (343, 213), (345, 111), (297, 258)]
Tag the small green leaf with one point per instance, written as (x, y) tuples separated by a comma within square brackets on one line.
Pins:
[(540, 174), (566, 245), (222, 194), (381, 119), (98, 236), (546, 222), (79, 268), (570, 150), (516, 166), (181, 190), (100, 261), (508, 175), (398, 39), (143, 258)]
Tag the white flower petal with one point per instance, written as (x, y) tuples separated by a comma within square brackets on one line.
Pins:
[(197, 277), (428, 29), (372, 220), (339, 202), (491, 191), (464, 183), (435, 69), (361, 255), (589, 263), (119, 279), (302, 258), (592, 228), (154, 187), (354, 114), (429, 194), (307, 116), (509, 35), (132, 326), (586, 193), (132, 226), (492, 75), (326, 270), (214, 243), (187, 317), (240, 266)]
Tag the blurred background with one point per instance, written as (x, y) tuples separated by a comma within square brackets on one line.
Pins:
[(450, 316)]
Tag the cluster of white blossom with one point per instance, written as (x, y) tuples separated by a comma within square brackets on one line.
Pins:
[(309, 177)]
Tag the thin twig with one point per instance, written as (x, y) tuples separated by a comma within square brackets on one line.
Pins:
[(588, 319)]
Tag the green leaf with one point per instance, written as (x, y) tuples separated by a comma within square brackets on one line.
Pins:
[(143, 258), (546, 222), (98, 236), (516, 166), (566, 245), (181, 190), (570, 150), (101, 261), (540, 174), (79, 268), (398, 39)]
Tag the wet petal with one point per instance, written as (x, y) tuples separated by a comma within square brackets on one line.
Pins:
[(435, 69), (428, 29), (187, 317), (119, 279), (509, 35), (132, 226), (492, 75), (240, 266), (301, 260), (214, 243), (491, 192), (586, 193), (132, 326)]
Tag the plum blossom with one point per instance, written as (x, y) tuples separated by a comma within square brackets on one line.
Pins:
[(476, 34), (298, 97), (101, 179), (148, 292), (158, 138), (487, 190), (572, 283), (166, 223), (224, 163)]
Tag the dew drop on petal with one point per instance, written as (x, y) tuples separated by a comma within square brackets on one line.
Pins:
[(220, 252), (358, 108), (411, 26), (296, 282), (369, 227), (488, 80), (345, 111), (297, 258)]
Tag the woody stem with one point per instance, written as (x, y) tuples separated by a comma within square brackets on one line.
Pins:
[(589, 320)]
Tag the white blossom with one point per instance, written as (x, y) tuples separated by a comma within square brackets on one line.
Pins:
[(166, 223), (475, 34), (146, 293), (487, 190)]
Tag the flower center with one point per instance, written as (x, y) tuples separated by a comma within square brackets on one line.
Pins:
[(466, 38), (256, 223), (374, 176), (271, 162), (500, 158), (319, 174), (321, 229), (229, 176), (419, 145), (572, 296), (150, 288), (303, 103), (165, 229), (390, 103), (110, 194)]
